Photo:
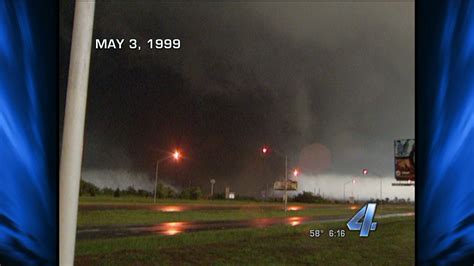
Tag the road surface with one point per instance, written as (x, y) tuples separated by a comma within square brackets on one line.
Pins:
[(195, 207), (174, 228)]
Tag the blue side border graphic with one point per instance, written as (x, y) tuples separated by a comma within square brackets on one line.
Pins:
[(445, 132), (28, 133)]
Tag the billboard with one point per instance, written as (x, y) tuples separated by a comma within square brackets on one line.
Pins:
[(280, 185), (404, 159)]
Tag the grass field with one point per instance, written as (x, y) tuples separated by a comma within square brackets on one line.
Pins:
[(249, 210), (391, 244), (142, 200)]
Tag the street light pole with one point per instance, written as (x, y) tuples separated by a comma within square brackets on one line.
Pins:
[(365, 172), (344, 192), (264, 151), (286, 182), (381, 198), (156, 181), (176, 155)]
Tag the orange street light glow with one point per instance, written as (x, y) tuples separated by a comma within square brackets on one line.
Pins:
[(176, 155), (171, 209), (173, 228), (294, 221), (294, 208)]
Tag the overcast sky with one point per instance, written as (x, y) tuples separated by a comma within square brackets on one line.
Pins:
[(330, 84)]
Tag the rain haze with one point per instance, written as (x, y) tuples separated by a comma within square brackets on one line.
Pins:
[(329, 84)]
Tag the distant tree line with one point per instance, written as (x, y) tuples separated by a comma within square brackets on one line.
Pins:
[(195, 192), (89, 189), (162, 191), (309, 197)]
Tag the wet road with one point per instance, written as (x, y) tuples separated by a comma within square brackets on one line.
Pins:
[(188, 207), (173, 228)]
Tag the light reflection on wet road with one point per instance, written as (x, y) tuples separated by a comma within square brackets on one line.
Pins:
[(173, 228), (182, 208)]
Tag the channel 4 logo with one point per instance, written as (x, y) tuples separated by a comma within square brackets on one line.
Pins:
[(366, 214)]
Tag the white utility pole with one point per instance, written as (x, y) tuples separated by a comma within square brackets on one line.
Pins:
[(73, 132)]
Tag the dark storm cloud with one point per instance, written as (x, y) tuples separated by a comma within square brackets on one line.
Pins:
[(289, 75)]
